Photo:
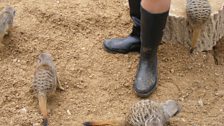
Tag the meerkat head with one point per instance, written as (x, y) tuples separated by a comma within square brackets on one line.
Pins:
[(45, 58), (171, 108), (10, 10)]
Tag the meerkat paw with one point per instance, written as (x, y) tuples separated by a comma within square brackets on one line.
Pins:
[(60, 87), (6, 33)]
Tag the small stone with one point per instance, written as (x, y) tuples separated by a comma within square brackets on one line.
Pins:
[(36, 124), (183, 119), (126, 84), (17, 107), (190, 67), (216, 74), (172, 71), (14, 60), (181, 99), (23, 111), (219, 93), (68, 112), (200, 102)]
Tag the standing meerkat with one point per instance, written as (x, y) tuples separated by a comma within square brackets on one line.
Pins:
[(144, 113), (6, 21), (45, 82), (198, 13)]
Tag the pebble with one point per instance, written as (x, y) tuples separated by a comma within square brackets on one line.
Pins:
[(200, 102), (183, 119), (68, 112), (216, 74), (36, 124), (14, 60), (23, 111), (172, 71), (219, 93)]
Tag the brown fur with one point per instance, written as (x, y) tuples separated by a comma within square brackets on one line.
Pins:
[(144, 113), (45, 82), (198, 13), (6, 21)]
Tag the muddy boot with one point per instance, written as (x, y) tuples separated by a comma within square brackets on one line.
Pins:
[(132, 42), (152, 26)]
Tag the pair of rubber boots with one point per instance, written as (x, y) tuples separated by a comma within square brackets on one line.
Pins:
[(145, 37)]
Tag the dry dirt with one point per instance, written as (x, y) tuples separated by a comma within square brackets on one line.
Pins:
[(98, 84)]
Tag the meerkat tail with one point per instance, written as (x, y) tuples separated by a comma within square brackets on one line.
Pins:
[(43, 108), (45, 122), (195, 36), (103, 123)]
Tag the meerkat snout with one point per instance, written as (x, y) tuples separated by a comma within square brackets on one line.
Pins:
[(171, 108)]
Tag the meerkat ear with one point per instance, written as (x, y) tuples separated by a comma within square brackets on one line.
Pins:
[(171, 108)]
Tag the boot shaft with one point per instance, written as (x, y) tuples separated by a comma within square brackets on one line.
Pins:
[(152, 29), (135, 15)]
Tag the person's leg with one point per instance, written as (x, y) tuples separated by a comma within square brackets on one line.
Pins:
[(132, 42), (153, 19), (156, 6)]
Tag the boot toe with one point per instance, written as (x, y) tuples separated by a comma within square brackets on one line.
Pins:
[(112, 45), (122, 45), (144, 89)]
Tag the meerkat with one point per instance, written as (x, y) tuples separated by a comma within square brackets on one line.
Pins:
[(6, 21), (144, 113), (45, 82), (198, 13)]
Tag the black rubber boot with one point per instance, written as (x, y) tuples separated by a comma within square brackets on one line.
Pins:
[(152, 26), (132, 42)]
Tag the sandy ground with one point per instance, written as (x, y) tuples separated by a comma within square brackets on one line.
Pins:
[(98, 84)]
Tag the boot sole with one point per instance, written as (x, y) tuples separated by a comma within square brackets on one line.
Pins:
[(133, 48), (145, 95)]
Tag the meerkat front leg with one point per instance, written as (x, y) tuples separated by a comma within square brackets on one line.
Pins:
[(59, 86), (7, 30), (1, 41)]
